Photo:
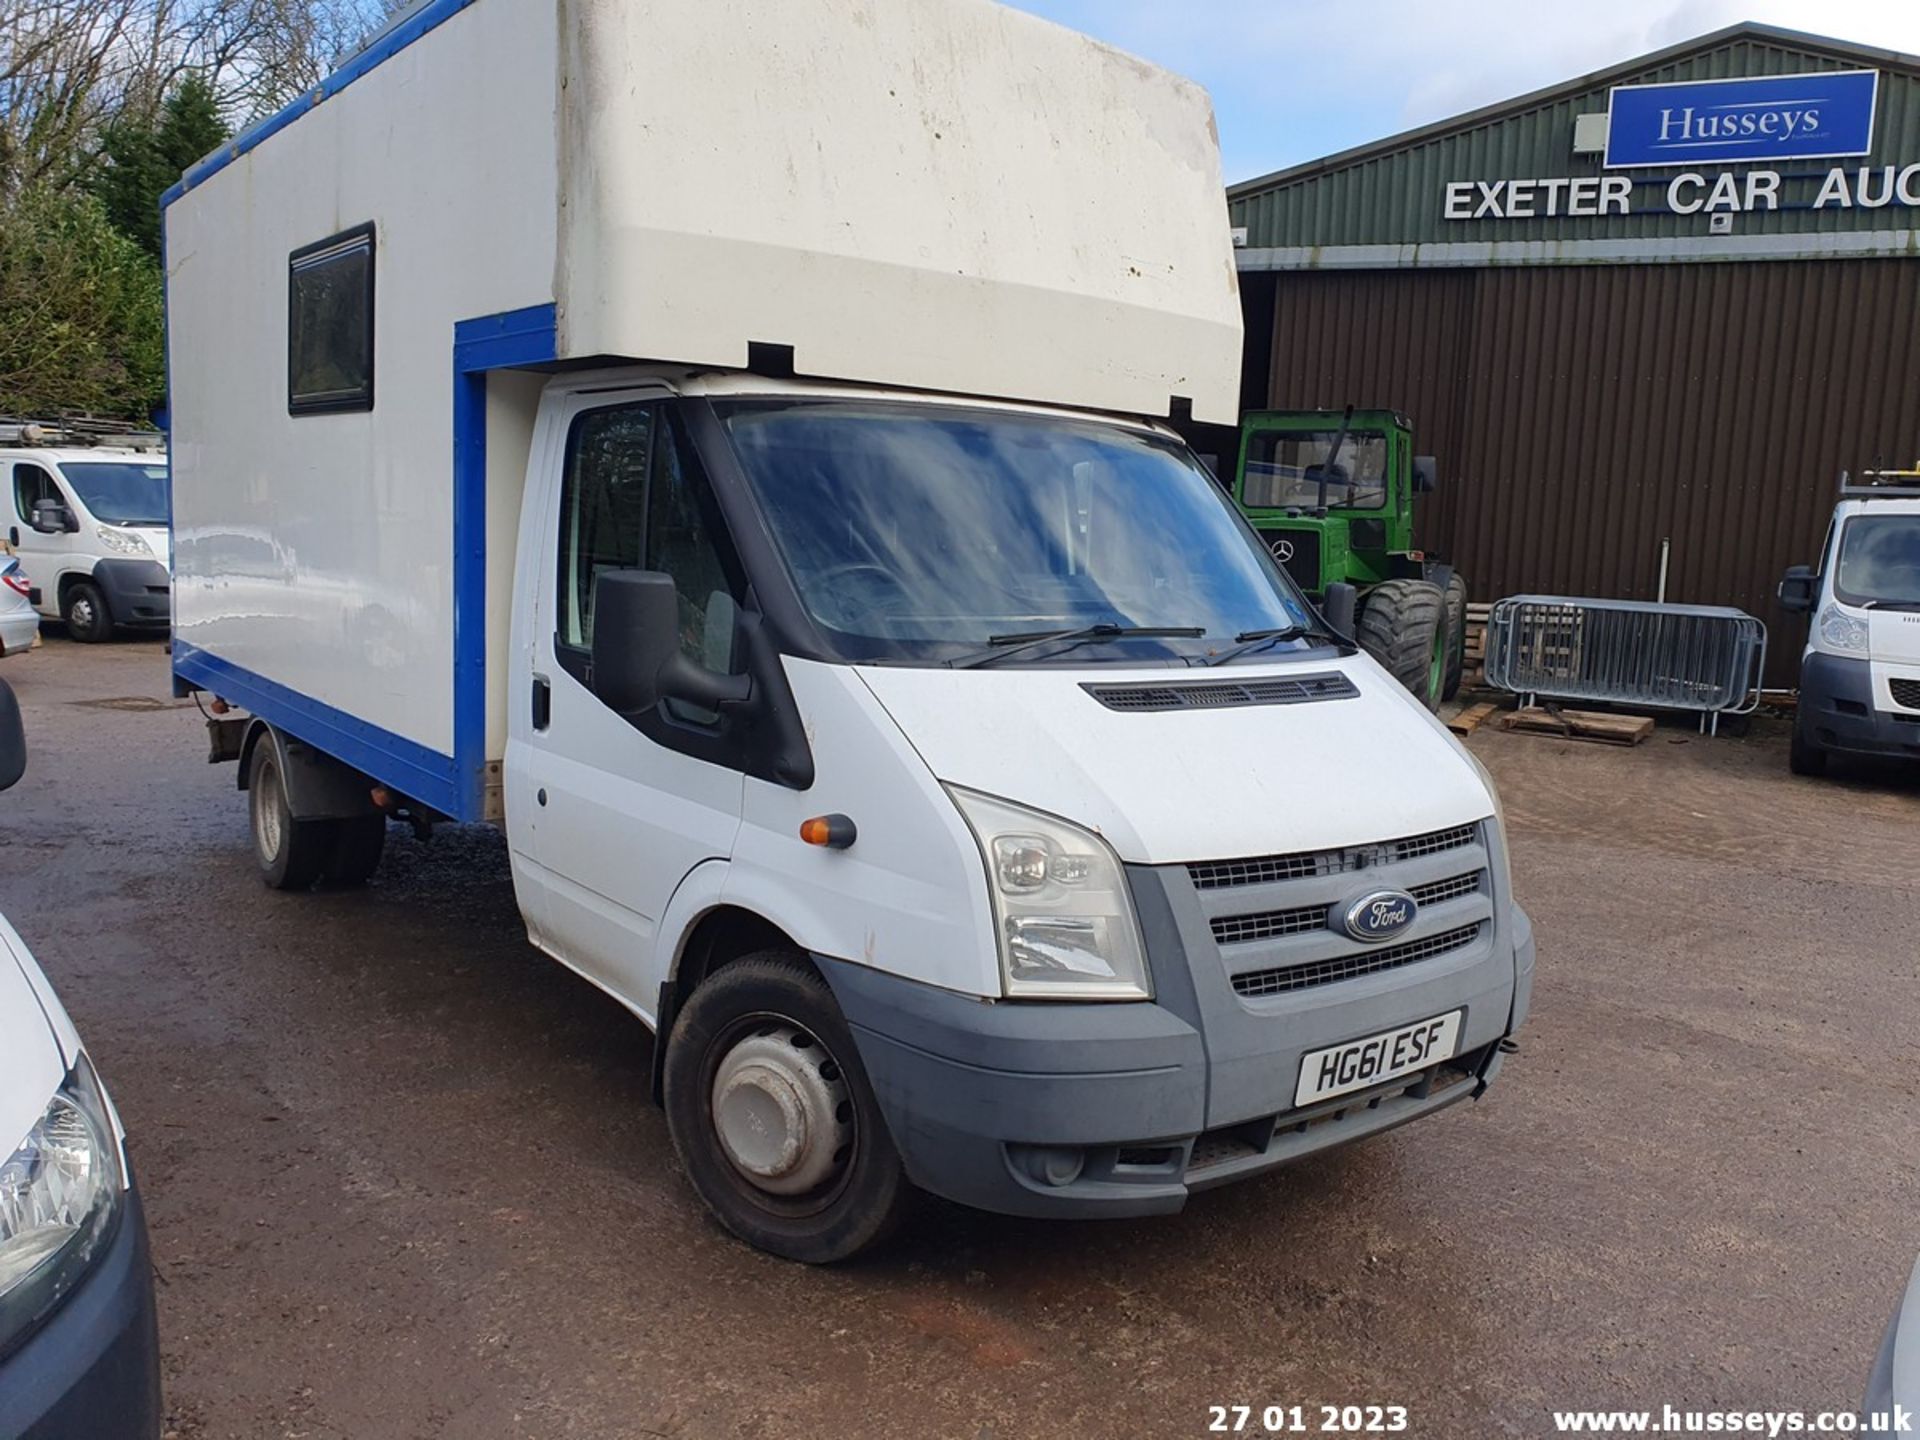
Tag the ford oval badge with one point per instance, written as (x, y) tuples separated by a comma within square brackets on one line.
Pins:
[(1381, 915)]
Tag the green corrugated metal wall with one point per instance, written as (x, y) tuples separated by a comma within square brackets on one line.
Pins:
[(1398, 195)]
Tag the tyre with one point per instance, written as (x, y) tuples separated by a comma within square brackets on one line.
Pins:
[(1456, 611), (1403, 626), (354, 849), (772, 1115), (291, 853), (1803, 756), (84, 609)]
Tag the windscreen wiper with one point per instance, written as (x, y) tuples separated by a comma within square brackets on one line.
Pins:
[(1248, 640), (1890, 605), (1001, 647)]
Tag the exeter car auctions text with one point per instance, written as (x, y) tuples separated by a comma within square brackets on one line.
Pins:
[(1869, 187)]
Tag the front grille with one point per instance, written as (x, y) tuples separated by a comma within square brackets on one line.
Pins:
[(1268, 869), (1442, 890), (1905, 692), (1223, 694), (1298, 552), (1280, 980), (1239, 929)]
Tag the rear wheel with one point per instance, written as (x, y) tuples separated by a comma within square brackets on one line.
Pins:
[(291, 853), (1403, 626), (773, 1117), (1456, 609), (84, 609)]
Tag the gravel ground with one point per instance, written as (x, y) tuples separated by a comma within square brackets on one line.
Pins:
[(404, 1179)]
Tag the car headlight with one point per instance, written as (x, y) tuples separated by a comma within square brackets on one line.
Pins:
[(1060, 906), (59, 1198), (1841, 630), (125, 542)]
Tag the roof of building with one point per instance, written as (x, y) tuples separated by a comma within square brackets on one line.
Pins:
[(1845, 51)]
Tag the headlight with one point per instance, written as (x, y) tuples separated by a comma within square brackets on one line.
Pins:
[(125, 542), (59, 1196), (1841, 630), (1060, 906)]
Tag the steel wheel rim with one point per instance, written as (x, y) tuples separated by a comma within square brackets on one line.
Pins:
[(82, 612), (267, 829), (781, 1114)]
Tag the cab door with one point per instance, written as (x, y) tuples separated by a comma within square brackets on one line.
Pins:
[(610, 812), (43, 557)]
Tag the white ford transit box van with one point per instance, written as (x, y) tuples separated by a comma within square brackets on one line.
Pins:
[(727, 445)]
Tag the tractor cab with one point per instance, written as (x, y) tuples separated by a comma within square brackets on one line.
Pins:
[(1331, 493)]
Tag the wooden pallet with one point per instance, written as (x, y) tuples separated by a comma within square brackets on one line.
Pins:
[(1472, 718), (1592, 725)]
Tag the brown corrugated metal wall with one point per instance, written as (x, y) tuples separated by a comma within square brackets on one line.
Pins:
[(1582, 413)]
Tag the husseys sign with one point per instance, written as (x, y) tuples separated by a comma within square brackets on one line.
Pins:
[(1822, 115), (1818, 116)]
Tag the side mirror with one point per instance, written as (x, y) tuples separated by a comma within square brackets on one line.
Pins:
[(1338, 608), (1799, 587), (50, 517), (13, 739), (637, 659), (1426, 474)]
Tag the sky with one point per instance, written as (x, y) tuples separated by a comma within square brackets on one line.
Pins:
[(1293, 80)]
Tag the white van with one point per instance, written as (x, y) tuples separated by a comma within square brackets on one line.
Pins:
[(89, 524), (728, 446), (1860, 672)]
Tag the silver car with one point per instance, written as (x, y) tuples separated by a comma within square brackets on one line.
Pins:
[(19, 621)]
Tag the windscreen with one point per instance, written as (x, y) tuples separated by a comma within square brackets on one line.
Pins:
[(910, 530), (1284, 469), (120, 492), (1880, 560)]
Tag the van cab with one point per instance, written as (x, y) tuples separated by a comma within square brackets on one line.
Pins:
[(1860, 671), (90, 525)]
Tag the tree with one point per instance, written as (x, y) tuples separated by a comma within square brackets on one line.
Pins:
[(80, 321), (142, 157)]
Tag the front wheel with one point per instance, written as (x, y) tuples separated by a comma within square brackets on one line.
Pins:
[(773, 1117), (1456, 636), (84, 609), (1403, 626), (1803, 756)]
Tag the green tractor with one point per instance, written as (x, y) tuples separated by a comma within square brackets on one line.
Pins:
[(1332, 496)]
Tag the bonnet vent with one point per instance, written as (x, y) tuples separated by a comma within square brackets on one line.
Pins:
[(1226, 694)]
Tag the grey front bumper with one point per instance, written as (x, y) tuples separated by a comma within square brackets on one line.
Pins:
[(1836, 711), (139, 593), (1089, 1110)]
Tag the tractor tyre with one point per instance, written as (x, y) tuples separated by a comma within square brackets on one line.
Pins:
[(1456, 635), (1403, 625)]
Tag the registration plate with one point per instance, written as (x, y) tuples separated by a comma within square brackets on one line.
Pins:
[(1357, 1064)]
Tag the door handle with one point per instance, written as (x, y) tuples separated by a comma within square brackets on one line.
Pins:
[(542, 702)]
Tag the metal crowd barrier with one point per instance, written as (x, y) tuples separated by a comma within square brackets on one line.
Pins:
[(1707, 658)]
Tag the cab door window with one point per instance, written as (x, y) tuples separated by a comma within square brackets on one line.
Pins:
[(30, 485), (635, 497)]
